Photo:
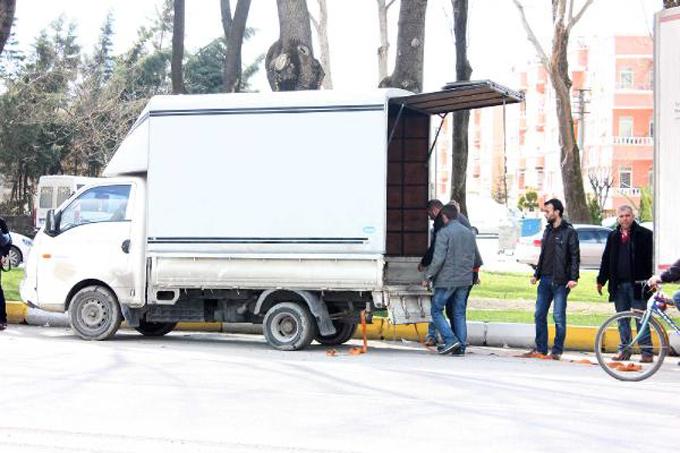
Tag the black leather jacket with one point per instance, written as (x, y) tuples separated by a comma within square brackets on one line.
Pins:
[(567, 254)]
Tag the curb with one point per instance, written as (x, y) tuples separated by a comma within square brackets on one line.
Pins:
[(579, 338)]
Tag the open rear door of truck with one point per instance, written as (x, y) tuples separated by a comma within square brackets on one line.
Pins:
[(409, 149)]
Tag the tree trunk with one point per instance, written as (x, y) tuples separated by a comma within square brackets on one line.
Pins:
[(321, 27), (572, 178), (7, 8), (384, 41), (290, 61), (408, 68), (177, 48), (232, 64), (459, 159), (225, 11)]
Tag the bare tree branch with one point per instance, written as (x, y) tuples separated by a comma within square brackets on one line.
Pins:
[(389, 4), (577, 17), (532, 37)]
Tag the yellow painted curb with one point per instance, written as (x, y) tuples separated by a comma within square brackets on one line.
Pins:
[(580, 338), (16, 312), (200, 326)]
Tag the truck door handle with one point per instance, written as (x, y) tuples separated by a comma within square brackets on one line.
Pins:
[(125, 246)]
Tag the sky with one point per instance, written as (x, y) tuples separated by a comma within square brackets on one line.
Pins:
[(497, 41)]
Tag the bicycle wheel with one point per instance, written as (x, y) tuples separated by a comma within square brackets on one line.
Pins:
[(608, 345)]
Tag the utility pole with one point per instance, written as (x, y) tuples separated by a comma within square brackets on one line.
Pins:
[(581, 113)]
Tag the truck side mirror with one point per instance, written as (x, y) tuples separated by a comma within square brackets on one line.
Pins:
[(51, 223)]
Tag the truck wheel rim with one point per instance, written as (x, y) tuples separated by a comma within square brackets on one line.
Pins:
[(285, 327), (94, 314)]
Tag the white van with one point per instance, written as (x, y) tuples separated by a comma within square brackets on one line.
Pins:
[(52, 191), (296, 210)]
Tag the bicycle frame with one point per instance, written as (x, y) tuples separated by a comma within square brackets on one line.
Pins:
[(650, 311)]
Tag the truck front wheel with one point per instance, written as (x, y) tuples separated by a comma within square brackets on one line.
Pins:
[(155, 329), (94, 313), (343, 333), (289, 326)]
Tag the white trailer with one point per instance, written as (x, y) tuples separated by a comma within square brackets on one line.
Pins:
[(666, 136), (52, 191), (295, 210)]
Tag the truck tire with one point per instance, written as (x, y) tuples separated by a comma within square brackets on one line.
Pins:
[(289, 326), (343, 333), (155, 329), (94, 313)]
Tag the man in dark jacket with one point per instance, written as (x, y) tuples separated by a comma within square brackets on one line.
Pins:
[(4, 231), (627, 262), (558, 272), (671, 275)]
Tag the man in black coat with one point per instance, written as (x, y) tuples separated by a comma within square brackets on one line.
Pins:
[(627, 262), (558, 273), (4, 231)]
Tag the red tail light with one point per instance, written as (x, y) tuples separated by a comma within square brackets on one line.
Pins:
[(537, 242)]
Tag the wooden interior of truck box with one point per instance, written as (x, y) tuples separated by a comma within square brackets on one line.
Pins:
[(407, 182)]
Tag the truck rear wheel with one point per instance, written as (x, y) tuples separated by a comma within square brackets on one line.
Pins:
[(289, 326), (155, 329), (343, 333), (94, 313)]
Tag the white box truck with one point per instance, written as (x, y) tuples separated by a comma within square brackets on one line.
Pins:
[(666, 136), (295, 210)]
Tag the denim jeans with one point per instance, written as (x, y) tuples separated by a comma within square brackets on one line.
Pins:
[(624, 300), (456, 308), (547, 293), (439, 300)]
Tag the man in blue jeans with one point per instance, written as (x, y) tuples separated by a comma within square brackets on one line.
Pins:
[(627, 262), (451, 275), (558, 272)]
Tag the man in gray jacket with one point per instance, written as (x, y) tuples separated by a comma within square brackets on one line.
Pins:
[(451, 275)]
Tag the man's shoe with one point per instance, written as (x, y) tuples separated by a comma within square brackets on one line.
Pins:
[(448, 348), (429, 341), (533, 354), (622, 356), (458, 353), (647, 358), (554, 356), (3, 325)]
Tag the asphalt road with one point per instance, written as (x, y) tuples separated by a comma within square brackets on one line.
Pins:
[(209, 392)]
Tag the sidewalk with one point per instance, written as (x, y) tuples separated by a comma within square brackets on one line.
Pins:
[(495, 334)]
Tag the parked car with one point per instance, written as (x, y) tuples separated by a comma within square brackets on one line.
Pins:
[(592, 239), (21, 245)]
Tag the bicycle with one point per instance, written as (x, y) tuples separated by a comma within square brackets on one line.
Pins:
[(646, 329)]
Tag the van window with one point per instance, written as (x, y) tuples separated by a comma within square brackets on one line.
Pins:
[(63, 192), (46, 197), (99, 204)]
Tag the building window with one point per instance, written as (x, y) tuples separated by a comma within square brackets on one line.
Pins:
[(625, 177), (651, 128), (539, 179), (626, 78), (626, 126)]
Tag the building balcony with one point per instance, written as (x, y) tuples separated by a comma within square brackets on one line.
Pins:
[(634, 87), (628, 191), (633, 141)]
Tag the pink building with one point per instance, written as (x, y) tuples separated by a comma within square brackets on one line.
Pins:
[(614, 126)]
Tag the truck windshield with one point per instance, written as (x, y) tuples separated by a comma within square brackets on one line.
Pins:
[(99, 204)]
